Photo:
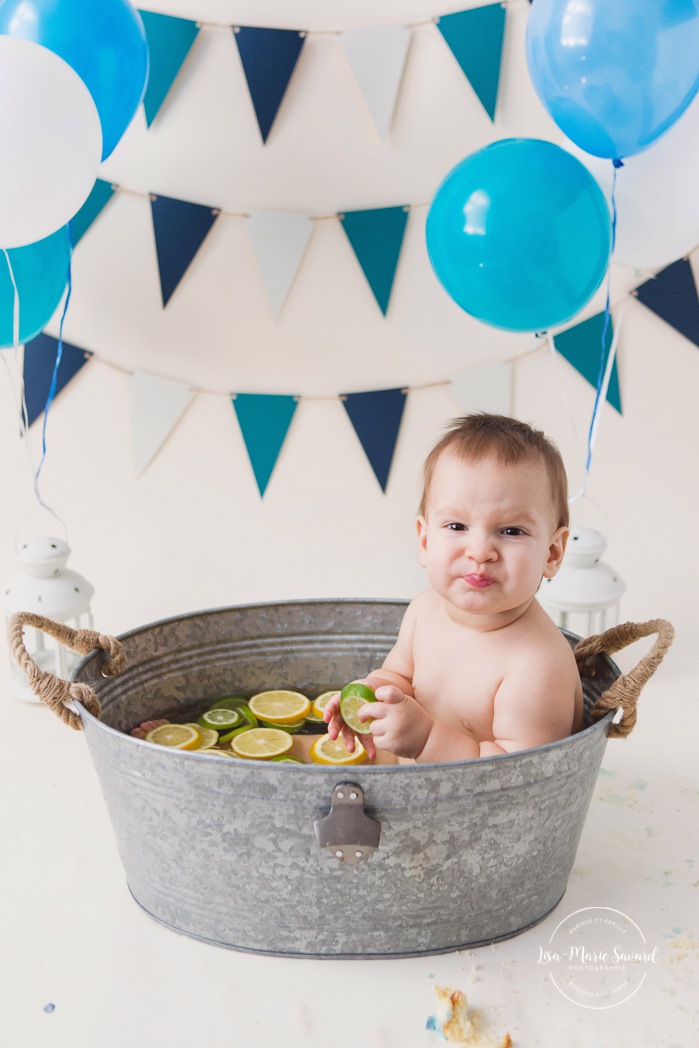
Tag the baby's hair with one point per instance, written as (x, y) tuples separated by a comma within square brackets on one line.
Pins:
[(507, 440)]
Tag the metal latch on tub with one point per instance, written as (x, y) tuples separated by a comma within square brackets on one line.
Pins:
[(348, 832)]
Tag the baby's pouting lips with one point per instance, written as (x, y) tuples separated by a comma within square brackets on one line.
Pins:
[(478, 581)]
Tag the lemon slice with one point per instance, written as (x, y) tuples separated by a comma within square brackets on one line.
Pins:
[(259, 744), (333, 751), (321, 702), (208, 736), (280, 707), (179, 736), (353, 697)]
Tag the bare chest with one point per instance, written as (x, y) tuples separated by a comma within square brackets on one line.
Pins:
[(457, 674)]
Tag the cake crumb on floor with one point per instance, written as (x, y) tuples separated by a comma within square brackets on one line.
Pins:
[(460, 1026)]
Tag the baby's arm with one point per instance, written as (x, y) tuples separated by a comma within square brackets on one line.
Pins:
[(534, 704), (395, 674)]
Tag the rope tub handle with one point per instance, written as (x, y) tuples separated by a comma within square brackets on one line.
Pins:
[(626, 689), (52, 690)]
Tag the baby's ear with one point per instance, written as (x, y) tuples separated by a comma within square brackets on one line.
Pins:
[(557, 548), (422, 539)]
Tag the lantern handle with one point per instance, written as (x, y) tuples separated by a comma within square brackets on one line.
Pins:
[(52, 690), (626, 689)]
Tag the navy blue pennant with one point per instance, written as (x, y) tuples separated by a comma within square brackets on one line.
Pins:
[(672, 295), (376, 417), (180, 228), (269, 57), (39, 360)]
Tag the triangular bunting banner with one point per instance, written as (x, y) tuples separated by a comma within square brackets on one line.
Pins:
[(268, 57), (169, 40), (39, 362), (376, 237), (582, 347), (100, 195), (264, 422), (280, 239), (475, 38), (672, 295), (486, 387), (180, 228), (376, 417), (157, 404), (377, 56)]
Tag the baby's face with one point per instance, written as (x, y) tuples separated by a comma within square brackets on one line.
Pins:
[(489, 536)]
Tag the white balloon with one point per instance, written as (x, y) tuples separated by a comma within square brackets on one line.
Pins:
[(657, 196), (51, 142)]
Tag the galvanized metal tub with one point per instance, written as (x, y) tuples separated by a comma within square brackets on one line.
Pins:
[(226, 851)]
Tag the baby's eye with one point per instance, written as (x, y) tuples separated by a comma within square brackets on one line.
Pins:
[(455, 526), (513, 531)]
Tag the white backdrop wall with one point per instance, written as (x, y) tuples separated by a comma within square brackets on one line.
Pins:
[(192, 531)]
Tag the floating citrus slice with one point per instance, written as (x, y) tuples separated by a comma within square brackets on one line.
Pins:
[(208, 736), (333, 751), (353, 697), (322, 701), (280, 707), (179, 736), (221, 719), (260, 744)]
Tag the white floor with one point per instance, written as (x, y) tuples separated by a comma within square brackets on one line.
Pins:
[(85, 966)]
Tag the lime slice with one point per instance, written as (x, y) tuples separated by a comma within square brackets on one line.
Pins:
[(321, 702), (221, 719), (333, 751), (248, 714), (353, 697), (284, 759), (223, 739), (280, 707), (261, 744), (292, 729), (179, 736), (230, 703)]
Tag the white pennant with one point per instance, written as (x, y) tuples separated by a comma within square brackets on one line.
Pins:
[(486, 387), (280, 239), (377, 56), (157, 404)]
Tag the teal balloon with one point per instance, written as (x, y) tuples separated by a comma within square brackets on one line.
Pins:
[(614, 74), (103, 40), (519, 234), (41, 274)]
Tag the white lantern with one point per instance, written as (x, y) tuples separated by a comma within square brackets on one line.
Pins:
[(46, 587), (584, 596)]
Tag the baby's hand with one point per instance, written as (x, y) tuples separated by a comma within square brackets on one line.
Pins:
[(398, 722), (336, 726)]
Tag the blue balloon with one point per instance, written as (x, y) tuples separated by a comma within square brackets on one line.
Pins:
[(614, 74), (519, 235), (103, 40), (40, 271)]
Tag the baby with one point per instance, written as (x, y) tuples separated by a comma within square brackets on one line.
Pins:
[(479, 668)]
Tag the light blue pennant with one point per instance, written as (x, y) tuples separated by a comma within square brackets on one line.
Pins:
[(376, 237), (169, 40), (376, 417), (269, 57), (582, 346), (264, 420), (180, 228), (475, 39)]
